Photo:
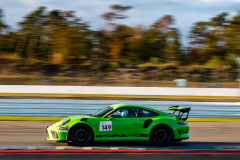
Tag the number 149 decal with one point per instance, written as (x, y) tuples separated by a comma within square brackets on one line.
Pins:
[(105, 126)]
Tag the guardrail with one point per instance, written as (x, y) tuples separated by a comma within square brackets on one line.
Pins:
[(31, 107), (119, 90)]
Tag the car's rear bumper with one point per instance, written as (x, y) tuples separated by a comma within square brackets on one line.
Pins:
[(181, 133), (181, 139)]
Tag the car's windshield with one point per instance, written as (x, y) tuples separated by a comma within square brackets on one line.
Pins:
[(102, 112)]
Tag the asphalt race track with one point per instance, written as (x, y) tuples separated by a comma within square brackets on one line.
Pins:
[(31, 135), (122, 156), (203, 134)]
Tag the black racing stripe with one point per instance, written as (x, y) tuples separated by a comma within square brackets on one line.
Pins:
[(115, 135), (123, 135), (98, 136)]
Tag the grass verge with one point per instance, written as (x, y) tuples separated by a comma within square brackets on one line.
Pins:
[(116, 96), (26, 118)]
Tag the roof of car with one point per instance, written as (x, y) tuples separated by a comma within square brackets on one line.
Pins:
[(119, 105)]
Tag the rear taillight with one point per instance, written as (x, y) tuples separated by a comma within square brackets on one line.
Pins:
[(47, 127), (182, 123)]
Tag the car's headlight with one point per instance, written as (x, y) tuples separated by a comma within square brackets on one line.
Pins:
[(65, 122)]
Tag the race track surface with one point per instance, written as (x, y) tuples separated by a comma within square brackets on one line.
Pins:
[(114, 156), (205, 135), (29, 136)]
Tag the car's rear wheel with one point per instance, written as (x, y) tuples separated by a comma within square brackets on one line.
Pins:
[(177, 140), (161, 135), (81, 135)]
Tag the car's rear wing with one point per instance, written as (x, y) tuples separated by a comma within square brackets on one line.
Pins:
[(182, 112)]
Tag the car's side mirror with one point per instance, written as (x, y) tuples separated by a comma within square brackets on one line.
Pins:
[(110, 117)]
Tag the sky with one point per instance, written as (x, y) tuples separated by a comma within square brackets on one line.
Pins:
[(144, 12)]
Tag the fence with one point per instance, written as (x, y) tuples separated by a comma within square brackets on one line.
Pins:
[(119, 90), (31, 107)]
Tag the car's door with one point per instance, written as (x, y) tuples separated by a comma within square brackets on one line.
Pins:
[(121, 127)]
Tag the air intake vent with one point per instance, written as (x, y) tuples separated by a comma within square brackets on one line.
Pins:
[(84, 119), (147, 123), (54, 134)]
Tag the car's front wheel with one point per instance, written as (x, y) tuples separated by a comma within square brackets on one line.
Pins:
[(161, 135), (81, 135)]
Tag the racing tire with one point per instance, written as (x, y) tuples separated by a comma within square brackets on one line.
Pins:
[(177, 140), (161, 135), (81, 135)]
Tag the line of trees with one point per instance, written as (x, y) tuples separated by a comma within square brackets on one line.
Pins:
[(54, 36)]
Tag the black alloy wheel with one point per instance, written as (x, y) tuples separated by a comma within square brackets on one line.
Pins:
[(81, 135), (161, 135)]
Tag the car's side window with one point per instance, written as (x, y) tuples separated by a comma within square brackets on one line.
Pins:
[(133, 112), (121, 113), (126, 112), (146, 113), (117, 114)]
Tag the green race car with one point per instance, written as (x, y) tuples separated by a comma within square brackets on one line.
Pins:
[(123, 122)]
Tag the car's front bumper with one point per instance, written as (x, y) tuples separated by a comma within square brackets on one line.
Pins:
[(56, 134)]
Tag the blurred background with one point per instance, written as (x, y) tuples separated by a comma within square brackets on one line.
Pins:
[(146, 44), (57, 47)]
